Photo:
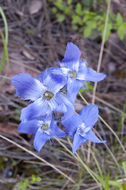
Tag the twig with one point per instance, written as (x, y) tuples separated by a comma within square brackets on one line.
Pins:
[(38, 157), (108, 104), (5, 77), (102, 48), (99, 65)]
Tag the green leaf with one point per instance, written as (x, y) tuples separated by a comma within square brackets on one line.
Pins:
[(60, 17), (5, 24), (4, 55), (121, 32), (91, 87), (106, 182), (69, 2), (22, 185), (92, 24), (124, 167), (78, 9), (54, 10), (123, 186), (60, 5), (100, 179), (35, 179), (88, 29), (77, 20), (108, 31), (74, 27), (119, 19), (97, 18), (87, 87), (86, 3), (115, 183), (68, 10), (101, 28), (86, 18), (87, 32)]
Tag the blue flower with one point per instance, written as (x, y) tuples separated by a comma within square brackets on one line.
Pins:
[(79, 126), (43, 130), (76, 71), (44, 91)]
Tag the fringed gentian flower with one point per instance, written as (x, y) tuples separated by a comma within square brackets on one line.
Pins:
[(43, 130), (44, 91), (79, 126), (76, 71), (47, 97)]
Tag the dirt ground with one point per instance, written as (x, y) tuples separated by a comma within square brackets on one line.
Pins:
[(37, 41)]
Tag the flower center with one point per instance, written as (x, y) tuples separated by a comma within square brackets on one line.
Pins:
[(48, 95), (72, 74), (44, 127), (82, 130)]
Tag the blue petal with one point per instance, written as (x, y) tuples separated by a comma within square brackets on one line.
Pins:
[(57, 104), (27, 87), (73, 87), (53, 79), (56, 131), (28, 126), (52, 104), (89, 115), (86, 73), (82, 70), (35, 110), (72, 53), (44, 74), (93, 76), (40, 139), (77, 142), (64, 105), (68, 67), (93, 138), (71, 57), (46, 119), (71, 124)]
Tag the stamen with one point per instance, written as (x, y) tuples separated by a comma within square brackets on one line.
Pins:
[(72, 74), (48, 95), (44, 127)]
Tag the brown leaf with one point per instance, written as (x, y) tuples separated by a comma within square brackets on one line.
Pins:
[(117, 1), (9, 128), (35, 6), (27, 54)]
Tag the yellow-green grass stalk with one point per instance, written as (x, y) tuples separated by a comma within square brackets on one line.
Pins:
[(4, 55)]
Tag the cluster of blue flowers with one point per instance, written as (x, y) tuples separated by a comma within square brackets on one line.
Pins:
[(55, 90)]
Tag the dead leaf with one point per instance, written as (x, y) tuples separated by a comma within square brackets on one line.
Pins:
[(116, 1), (8, 128), (28, 54), (1, 109), (35, 6)]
